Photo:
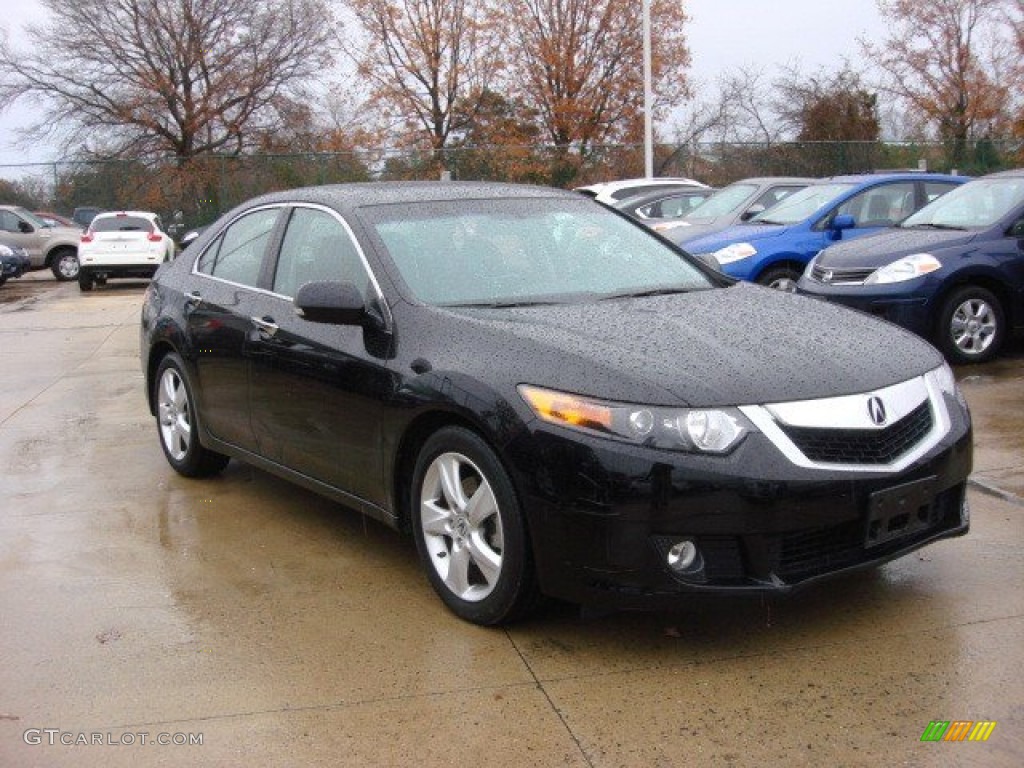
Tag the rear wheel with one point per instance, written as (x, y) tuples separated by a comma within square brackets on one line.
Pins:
[(64, 264), (780, 278), (971, 325), (470, 531), (85, 280), (178, 425)]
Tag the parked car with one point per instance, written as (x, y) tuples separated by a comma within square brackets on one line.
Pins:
[(734, 204), (14, 262), (953, 272), (191, 235), (123, 244), (549, 397), (661, 209), (774, 247), (52, 247), (52, 219), (83, 215), (611, 192)]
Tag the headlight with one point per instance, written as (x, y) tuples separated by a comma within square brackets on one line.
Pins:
[(946, 382), (5, 251), (810, 265), (734, 252), (907, 268), (706, 430)]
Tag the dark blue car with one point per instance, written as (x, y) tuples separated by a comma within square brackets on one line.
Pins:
[(773, 247), (14, 262), (953, 272)]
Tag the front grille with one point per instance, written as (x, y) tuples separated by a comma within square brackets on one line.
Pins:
[(840, 276), (863, 446)]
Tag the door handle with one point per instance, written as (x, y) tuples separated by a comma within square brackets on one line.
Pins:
[(266, 325)]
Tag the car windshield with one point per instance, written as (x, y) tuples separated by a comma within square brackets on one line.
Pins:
[(723, 202), (525, 251), (801, 205), (121, 223), (30, 217), (976, 205)]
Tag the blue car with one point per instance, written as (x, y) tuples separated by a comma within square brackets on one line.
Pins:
[(773, 247), (953, 272)]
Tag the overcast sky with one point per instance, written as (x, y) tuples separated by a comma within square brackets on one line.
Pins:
[(723, 34)]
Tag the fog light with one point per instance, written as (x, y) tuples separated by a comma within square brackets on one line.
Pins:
[(682, 556)]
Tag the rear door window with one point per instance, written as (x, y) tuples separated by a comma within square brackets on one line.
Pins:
[(237, 255)]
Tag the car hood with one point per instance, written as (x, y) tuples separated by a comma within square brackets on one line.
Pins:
[(740, 233), (885, 247), (732, 346), (683, 235)]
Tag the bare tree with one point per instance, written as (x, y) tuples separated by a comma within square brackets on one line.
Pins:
[(941, 60), (428, 63), (178, 77), (578, 64)]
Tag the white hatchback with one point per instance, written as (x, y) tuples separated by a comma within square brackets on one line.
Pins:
[(122, 244)]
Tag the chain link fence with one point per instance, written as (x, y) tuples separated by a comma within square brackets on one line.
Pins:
[(203, 188)]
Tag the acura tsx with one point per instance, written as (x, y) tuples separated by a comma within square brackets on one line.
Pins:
[(551, 399)]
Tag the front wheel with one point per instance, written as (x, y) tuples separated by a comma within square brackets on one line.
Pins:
[(470, 531), (177, 422), (780, 278), (971, 325), (65, 264)]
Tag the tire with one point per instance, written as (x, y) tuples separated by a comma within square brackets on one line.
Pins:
[(780, 278), (85, 280), (972, 325), (2, 280), (64, 264), (178, 425), (470, 534)]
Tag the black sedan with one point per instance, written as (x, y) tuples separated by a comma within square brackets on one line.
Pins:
[(549, 397), (953, 272)]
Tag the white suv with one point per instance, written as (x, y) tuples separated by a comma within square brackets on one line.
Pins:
[(122, 244)]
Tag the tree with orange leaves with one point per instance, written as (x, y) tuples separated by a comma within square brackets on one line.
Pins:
[(942, 59), (578, 64), (427, 63)]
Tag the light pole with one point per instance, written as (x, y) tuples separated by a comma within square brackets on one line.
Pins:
[(648, 95)]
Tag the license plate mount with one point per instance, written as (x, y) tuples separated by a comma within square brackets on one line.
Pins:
[(900, 511)]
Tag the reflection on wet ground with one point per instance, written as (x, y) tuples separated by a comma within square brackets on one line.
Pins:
[(286, 630)]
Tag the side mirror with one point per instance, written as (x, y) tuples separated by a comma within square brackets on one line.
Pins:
[(752, 211), (843, 221), (25, 228), (329, 301)]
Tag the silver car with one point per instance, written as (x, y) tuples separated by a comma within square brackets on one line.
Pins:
[(55, 248)]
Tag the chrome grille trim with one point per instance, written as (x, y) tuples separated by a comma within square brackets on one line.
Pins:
[(830, 276), (851, 412)]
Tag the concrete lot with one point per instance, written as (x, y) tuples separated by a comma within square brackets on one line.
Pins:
[(283, 630)]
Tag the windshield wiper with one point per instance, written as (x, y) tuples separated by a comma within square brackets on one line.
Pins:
[(500, 304), (642, 293), (936, 226), (767, 221)]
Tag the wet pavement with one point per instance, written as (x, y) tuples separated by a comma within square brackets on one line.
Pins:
[(282, 630)]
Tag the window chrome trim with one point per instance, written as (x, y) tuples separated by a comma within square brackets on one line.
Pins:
[(841, 413), (381, 301)]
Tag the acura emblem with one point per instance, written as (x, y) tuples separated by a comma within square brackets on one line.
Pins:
[(876, 410)]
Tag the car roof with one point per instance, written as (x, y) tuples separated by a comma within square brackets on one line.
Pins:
[(867, 178), (1013, 173), (359, 194)]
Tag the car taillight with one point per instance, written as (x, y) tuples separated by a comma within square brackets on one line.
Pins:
[(154, 237), (87, 237)]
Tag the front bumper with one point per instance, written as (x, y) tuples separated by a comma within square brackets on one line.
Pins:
[(603, 515), (911, 308)]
